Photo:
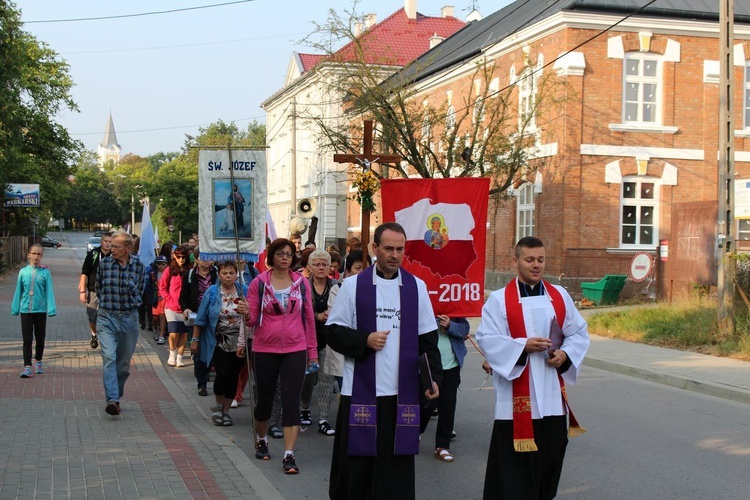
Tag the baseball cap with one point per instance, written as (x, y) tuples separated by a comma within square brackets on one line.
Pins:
[(161, 258)]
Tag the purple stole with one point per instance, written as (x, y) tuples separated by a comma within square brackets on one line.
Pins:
[(363, 411)]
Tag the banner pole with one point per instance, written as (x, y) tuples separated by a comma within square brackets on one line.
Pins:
[(237, 260)]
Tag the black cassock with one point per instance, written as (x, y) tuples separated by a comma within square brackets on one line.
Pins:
[(385, 477)]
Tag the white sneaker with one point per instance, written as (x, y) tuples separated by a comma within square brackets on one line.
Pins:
[(172, 361), (234, 404), (160, 341), (180, 362)]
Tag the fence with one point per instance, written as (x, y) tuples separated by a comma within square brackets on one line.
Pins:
[(13, 249)]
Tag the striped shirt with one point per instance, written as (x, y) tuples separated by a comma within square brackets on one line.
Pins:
[(120, 288)]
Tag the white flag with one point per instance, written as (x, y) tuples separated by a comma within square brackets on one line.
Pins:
[(148, 241)]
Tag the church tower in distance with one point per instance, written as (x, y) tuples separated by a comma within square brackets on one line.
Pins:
[(109, 149)]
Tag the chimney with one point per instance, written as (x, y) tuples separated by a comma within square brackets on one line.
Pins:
[(447, 11), (410, 7), (370, 20), (435, 39), (358, 28)]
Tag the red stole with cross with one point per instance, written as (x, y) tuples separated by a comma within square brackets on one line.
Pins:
[(523, 429)]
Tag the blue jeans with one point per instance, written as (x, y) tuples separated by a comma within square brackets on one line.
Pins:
[(118, 334)]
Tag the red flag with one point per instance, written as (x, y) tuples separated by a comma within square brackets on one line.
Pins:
[(445, 222)]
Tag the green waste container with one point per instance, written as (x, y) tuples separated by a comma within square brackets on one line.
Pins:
[(606, 291)]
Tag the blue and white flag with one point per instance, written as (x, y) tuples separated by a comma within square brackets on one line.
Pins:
[(148, 240)]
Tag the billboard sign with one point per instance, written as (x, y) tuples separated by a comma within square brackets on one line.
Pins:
[(21, 195)]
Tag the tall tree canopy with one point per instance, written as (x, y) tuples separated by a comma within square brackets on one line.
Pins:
[(34, 87), (481, 132)]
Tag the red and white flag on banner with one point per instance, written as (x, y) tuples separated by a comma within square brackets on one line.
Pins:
[(445, 222)]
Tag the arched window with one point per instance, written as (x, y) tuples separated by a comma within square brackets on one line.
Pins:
[(525, 211)]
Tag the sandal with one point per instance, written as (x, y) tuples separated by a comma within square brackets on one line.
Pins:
[(325, 428), (226, 420), (275, 432), (443, 454), (305, 419), (217, 418)]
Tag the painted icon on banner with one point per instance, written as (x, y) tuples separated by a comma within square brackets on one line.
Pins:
[(232, 208), (437, 236)]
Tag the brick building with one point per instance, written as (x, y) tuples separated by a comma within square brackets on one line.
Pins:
[(299, 168), (629, 155)]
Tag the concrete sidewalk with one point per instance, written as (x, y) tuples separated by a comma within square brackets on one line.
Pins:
[(719, 377), (56, 441)]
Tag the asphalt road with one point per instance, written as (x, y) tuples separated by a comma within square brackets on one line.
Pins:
[(645, 440)]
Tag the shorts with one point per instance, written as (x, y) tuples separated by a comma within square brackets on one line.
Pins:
[(175, 322), (92, 307), (158, 309)]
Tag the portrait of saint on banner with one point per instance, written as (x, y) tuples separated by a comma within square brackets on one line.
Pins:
[(232, 208)]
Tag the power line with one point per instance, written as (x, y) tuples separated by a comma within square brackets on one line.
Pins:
[(140, 14), (217, 42), (168, 128), (553, 61)]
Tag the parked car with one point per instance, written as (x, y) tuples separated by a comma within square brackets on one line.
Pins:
[(98, 233), (49, 242), (94, 242)]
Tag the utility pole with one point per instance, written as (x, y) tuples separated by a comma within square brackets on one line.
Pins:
[(727, 264), (293, 212)]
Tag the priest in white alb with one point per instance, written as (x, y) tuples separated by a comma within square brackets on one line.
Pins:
[(534, 340)]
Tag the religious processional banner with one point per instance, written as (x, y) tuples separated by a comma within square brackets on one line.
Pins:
[(445, 222), (232, 204)]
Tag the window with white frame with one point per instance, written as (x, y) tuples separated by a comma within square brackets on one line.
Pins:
[(642, 83), (638, 202), (743, 232), (746, 106), (450, 119), (525, 211), (527, 100), (426, 129)]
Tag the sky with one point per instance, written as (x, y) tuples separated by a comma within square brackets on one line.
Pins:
[(164, 76)]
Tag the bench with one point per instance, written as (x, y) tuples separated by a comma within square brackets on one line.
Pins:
[(606, 290)]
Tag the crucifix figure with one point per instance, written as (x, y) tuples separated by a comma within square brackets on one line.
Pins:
[(366, 160)]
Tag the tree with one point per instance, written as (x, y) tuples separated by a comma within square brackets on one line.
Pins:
[(90, 200), (175, 183), (482, 132), (34, 87)]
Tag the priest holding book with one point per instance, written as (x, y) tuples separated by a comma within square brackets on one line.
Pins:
[(534, 340), (382, 322)]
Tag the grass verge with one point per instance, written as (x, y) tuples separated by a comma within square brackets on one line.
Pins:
[(688, 326)]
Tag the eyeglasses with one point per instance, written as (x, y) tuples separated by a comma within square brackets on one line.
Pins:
[(179, 257), (320, 264), (288, 255)]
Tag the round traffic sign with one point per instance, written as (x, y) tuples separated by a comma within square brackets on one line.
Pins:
[(640, 266)]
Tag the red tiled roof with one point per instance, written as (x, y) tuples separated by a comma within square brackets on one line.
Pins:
[(395, 41), (309, 60)]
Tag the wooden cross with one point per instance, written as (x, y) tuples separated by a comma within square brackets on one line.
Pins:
[(366, 160)]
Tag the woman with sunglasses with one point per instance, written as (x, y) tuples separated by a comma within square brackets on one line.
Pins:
[(170, 287), (284, 345)]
